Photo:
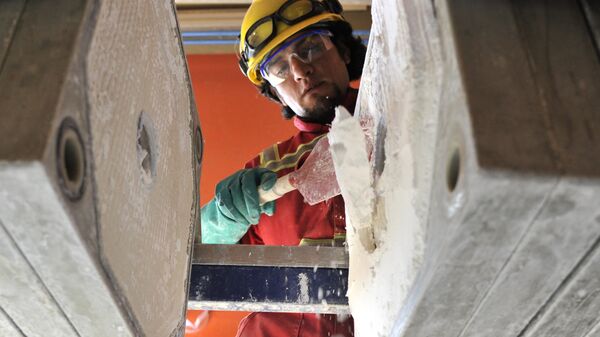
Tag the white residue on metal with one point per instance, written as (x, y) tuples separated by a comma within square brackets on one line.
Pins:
[(303, 296), (323, 307), (387, 199), (45, 267), (351, 161)]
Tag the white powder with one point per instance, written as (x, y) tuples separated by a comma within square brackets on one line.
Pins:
[(303, 296), (349, 152), (387, 199)]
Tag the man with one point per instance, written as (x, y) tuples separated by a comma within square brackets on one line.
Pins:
[(300, 53)]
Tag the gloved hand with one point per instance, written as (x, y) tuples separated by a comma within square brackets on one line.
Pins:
[(226, 218)]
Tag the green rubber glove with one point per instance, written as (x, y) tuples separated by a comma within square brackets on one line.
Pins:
[(226, 218)]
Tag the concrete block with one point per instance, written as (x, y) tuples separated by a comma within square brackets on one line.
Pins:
[(484, 118), (512, 210), (99, 164)]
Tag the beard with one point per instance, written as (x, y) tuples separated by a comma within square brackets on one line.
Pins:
[(323, 111)]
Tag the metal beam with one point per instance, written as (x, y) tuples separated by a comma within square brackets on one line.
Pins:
[(265, 289), (348, 4), (275, 256)]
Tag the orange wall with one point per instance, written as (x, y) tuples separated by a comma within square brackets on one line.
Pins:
[(237, 123)]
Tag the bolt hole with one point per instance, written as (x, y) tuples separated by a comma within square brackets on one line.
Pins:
[(70, 160), (145, 151), (453, 171), (199, 146), (144, 145)]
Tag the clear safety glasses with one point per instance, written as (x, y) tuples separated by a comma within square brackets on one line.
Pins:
[(307, 47), (290, 13)]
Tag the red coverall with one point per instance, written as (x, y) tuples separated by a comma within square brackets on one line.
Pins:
[(275, 324), (297, 223)]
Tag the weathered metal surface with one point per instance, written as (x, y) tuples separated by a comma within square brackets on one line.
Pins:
[(10, 11), (24, 298), (260, 288), (100, 151), (35, 66), (399, 99), (591, 10), (537, 79), (8, 326), (520, 113), (573, 309), (560, 236), (54, 288), (510, 228), (142, 122), (276, 256)]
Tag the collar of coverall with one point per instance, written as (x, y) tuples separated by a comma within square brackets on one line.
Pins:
[(349, 103)]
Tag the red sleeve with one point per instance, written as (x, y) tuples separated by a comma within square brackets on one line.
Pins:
[(280, 324), (253, 163), (271, 324), (252, 237)]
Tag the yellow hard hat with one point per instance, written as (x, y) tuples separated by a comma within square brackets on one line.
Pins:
[(268, 23)]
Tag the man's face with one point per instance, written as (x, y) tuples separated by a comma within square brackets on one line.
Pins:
[(313, 89)]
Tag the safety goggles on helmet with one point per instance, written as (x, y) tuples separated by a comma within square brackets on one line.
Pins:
[(290, 13), (307, 47)]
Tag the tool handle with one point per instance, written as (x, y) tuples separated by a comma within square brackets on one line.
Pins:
[(281, 187)]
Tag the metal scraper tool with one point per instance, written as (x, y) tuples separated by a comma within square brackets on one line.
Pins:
[(315, 179)]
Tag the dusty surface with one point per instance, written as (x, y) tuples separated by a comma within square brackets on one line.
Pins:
[(484, 172), (49, 284), (141, 130), (386, 226), (96, 230)]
